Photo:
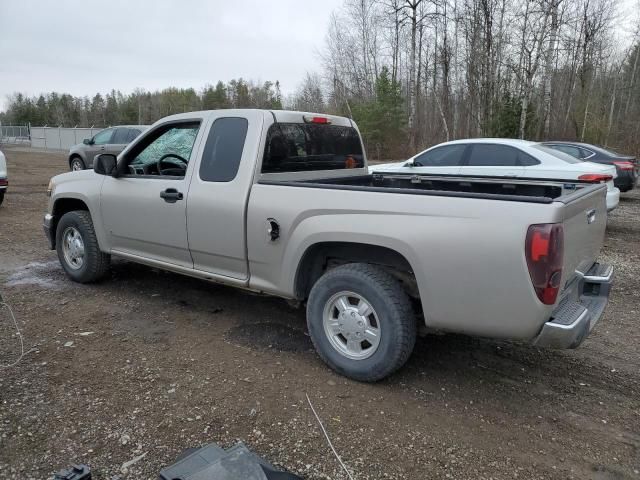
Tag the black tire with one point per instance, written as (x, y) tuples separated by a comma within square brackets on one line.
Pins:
[(95, 263), (1, 197), (393, 311), (76, 161)]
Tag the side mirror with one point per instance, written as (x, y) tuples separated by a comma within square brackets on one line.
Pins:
[(88, 141), (105, 164)]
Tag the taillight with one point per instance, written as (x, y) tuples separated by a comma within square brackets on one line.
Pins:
[(312, 119), (595, 177), (544, 249), (624, 165), (4, 182)]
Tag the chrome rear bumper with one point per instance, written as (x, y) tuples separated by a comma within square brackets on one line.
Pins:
[(581, 307)]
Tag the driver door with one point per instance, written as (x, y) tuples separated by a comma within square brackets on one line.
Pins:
[(144, 207)]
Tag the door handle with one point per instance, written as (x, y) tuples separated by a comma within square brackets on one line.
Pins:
[(171, 195)]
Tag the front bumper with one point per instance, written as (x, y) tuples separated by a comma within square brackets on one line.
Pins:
[(579, 310), (47, 225)]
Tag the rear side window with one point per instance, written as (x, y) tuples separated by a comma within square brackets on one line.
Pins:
[(300, 147), (120, 137), (487, 155), (223, 150), (448, 156), (568, 149), (565, 157)]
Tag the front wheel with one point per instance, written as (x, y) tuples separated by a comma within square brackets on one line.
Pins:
[(78, 249), (361, 321), (77, 164)]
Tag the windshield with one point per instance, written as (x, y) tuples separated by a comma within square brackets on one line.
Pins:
[(298, 147), (565, 157)]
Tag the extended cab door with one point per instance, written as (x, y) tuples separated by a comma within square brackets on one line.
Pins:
[(144, 208), (219, 192)]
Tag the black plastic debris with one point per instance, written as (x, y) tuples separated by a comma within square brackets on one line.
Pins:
[(77, 472), (214, 463)]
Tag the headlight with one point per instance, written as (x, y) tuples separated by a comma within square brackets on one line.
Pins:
[(49, 188)]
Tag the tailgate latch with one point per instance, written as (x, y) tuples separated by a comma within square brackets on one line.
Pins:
[(591, 216)]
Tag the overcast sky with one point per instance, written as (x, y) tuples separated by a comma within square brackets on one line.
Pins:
[(87, 46)]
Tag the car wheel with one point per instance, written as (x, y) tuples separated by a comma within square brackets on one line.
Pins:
[(78, 249), (361, 321), (77, 164), (1, 197)]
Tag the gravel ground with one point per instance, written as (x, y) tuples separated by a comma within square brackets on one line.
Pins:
[(148, 363)]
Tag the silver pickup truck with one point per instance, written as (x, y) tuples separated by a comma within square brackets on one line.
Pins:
[(282, 203)]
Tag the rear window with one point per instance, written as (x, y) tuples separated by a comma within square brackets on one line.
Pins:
[(565, 157), (299, 147)]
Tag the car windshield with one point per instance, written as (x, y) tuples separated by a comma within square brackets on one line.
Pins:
[(565, 157)]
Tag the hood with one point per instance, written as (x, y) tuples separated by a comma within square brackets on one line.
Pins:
[(73, 177)]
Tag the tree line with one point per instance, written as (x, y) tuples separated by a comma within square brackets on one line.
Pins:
[(413, 73), (139, 107)]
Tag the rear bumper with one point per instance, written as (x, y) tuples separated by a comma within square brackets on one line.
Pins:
[(626, 180), (579, 310), (47, 225), (613, 198)]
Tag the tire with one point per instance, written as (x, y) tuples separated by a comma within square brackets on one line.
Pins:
[(76, 164), (77, 227), (1, 197), (391, 310)]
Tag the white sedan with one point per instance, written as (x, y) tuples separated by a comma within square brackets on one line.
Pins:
[(501, 157)]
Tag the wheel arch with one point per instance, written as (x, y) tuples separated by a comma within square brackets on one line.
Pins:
[(62, 206), (323, 256)]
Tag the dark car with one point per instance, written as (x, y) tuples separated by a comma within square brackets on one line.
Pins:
[(626, 166), (110, 140)]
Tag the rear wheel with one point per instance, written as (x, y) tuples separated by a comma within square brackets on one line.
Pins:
[(361, 321), (1, 197), (77, 164), (78, 249)]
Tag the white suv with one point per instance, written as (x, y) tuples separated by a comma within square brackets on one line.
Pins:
[(4, 182)]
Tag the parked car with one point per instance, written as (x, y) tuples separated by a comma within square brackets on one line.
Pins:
[(501, 157), (626, 165), (110, 140), (281, 203), (4, 181)]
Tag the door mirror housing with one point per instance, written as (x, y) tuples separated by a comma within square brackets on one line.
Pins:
[(105, 164), (88, 141)]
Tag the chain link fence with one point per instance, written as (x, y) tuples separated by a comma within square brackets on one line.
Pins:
[(48, 138), (59, 138), (14, 134)]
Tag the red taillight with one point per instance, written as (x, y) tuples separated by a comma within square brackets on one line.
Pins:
[(4, 182), (624, 165), (595, 177), (544, 249), (312, 119)]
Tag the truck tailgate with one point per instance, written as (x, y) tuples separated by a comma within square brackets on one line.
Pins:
[(584, 222)]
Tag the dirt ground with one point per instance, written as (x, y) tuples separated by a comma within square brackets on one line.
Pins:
[(150, 363)]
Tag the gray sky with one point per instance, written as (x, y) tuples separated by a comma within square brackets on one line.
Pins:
[(87, 46)]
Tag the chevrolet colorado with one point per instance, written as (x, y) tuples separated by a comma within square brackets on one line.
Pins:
[(282, 203)]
